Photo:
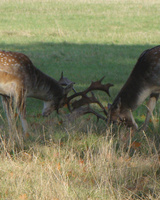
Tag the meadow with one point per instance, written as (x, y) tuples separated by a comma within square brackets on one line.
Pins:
[(86, 39)]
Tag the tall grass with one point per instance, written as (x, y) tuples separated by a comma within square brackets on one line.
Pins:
[(85, 166), (86, 39)]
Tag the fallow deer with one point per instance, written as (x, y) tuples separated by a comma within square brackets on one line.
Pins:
[(143, 81), (19, 79)]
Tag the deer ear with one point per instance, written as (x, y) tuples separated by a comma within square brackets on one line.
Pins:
[(68, 88)]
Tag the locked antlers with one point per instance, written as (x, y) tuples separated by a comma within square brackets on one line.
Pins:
[(97, 85), (85, 110), (78, 108)]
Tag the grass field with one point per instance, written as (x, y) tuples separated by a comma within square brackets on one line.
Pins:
[(86, 39)]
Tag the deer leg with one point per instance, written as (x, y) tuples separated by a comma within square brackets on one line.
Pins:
[(129, 120), (132, 121), (8, 107), (150, 107), (21, 107), (22, 114), (24, 122), (10, 111)]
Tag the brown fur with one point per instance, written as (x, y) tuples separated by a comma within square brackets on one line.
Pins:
[(19, 79)]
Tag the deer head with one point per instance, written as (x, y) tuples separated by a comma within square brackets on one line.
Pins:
[(60, 100), (121, 115)]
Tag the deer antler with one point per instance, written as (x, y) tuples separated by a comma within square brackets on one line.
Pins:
[(65, 81), (87, 100), (97, 85), (82, 111), (77, 105)]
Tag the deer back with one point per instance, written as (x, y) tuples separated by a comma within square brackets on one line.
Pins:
[(17, 72)]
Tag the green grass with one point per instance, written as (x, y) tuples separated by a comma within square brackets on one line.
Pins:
[(86, 39)]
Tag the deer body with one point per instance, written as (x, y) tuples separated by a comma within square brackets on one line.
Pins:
[(20, 79), (143, 81)]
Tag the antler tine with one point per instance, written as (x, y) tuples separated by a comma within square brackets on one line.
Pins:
[(88, 100), (83, 101), (85, 110), (99, 103), (101, 79), (65, 81), (97, 85), (94, 86)]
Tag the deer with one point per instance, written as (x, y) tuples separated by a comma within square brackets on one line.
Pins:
[(143, 82), (20, 79)]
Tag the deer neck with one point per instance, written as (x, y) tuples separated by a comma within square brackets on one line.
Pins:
[(133, 93), (44, 87)]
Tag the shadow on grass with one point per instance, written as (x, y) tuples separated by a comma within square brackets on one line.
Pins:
[(81, 63)]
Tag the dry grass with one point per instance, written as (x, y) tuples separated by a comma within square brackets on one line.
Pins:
[(79, 165)]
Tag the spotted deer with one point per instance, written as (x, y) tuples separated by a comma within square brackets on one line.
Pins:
[(20, 79), (143, 81)]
